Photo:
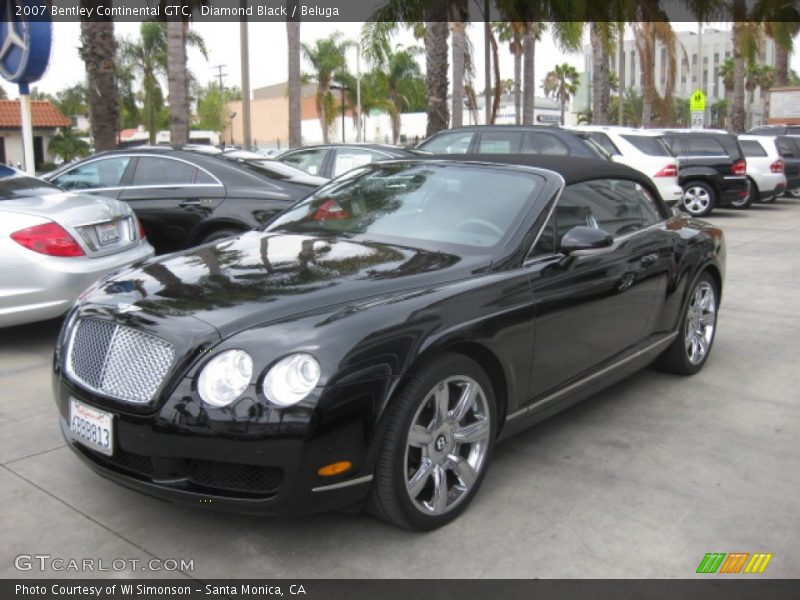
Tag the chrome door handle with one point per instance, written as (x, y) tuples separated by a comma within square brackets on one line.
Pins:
[(188, 203)]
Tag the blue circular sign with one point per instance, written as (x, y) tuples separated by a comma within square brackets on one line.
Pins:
[(25, 40)]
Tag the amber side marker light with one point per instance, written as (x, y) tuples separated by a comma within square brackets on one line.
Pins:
[(335, 468)]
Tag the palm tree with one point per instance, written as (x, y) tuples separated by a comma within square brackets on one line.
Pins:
[(647, 33), (562, 82), (327, 59), (68, 145), (512, 32), (295, 84), (459, 12), (148, 57), (178, 35), (98, 49), (601, 36), (747, 38), (398, 84)]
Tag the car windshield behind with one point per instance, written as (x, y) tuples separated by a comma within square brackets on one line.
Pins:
[(650, 145), (429, 204)]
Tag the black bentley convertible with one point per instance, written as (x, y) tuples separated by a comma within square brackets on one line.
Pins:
[(373, 343)]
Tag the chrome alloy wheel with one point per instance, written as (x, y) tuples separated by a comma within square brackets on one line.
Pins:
[(701, 319), (447, 445), (696, 199)]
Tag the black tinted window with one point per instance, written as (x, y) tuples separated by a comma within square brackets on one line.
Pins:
[(702, 145), (500, 142), (449, 143), (652, 146), (536, 142), (604, 142), (752, 148), (162, 171), (617, 206), (787, 148)]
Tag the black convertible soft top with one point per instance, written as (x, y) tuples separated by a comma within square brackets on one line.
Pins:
[(571, 168)]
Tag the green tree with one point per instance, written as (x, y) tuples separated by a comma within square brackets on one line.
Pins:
[(68, 145), (73, 100), (212, 107), (327, 59), (562, 82)]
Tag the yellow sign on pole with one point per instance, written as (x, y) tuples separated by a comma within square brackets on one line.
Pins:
[(697, 101)]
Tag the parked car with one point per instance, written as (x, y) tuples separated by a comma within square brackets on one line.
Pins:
[(789, 149), (764, 167), (643, 150), (332, 160), (711, 170), (185, 197), (512, 139), (53, 245), (773, 130), (375, 341)]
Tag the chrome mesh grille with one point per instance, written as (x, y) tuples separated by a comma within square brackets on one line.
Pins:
[(118, 361)]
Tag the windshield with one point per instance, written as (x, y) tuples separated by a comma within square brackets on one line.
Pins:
[(14, 184), (467, 206)]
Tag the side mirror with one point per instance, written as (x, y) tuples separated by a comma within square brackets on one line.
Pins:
[(585, 238)]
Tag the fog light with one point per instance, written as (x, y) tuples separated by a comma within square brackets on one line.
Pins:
[(335, 468)]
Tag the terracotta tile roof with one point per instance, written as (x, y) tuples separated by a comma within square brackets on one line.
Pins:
[(43, 114), (127, 133)]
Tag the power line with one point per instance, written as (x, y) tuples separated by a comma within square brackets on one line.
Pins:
[(220, 76)]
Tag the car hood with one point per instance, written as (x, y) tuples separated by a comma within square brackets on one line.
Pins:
[(67, 209), (259, 277)]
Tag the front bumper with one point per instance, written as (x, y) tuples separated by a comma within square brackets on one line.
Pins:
[(223, 463)]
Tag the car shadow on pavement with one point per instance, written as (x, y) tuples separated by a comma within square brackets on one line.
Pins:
[(31, 336)]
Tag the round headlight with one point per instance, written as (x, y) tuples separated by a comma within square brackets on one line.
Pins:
[(291, 379), (225, 377)]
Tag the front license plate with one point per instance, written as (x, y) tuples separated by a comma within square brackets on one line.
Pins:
[(107, 233), (91, 427)]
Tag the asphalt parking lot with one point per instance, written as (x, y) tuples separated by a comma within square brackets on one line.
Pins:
[(641, 480)]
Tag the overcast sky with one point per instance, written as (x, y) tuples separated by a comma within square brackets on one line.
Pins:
[(268, 52)]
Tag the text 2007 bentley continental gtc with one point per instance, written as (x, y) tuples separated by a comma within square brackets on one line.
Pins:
[(373, 343)]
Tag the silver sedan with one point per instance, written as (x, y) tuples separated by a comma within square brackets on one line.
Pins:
[(53, 245)]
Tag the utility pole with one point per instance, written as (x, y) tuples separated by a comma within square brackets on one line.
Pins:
[(245, 54), (220, 76), (487, 60)]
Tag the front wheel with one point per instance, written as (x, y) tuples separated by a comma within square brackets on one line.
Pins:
[(437, 445), (689, 352), (699, 198)]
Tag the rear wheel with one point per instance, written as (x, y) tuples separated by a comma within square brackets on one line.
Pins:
[(689, 351), (747, 201), (795, 192), (699, 198), (437, 445)]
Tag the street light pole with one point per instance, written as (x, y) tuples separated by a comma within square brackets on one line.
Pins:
[(244, 42), (487, 60), (359, 132)]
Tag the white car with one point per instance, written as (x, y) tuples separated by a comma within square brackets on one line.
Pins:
[(642, 150), (53, 245), (765, 167)]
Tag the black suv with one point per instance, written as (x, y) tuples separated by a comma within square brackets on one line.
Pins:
[(789, 149), (512, 139), (775, 130), (711, 169)]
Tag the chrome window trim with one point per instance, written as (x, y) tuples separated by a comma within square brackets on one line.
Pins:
[(144, 155)]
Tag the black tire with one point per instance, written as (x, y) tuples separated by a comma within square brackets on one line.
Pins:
[(390, 498), (747, 201), (699, 198), (676, 358), (219, 234)]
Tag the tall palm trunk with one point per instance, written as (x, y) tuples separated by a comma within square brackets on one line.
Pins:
[(98, 49), (621, 75), (295, 90), (436, 66), (496, 75), (600, 74), (459, 48), (517, 87), (781, 65), (177, 82), (529, 75), (645, 45), (737, 111)]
